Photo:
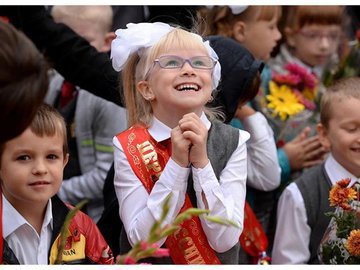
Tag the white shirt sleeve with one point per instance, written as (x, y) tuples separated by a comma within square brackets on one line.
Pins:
[(137, 208), (264, 172), (225, 197), (292, 237)]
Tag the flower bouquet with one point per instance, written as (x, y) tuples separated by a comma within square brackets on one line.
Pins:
[(349, 66), (341, 241), (291, 101)]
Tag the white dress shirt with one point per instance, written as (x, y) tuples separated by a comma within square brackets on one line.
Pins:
[(225, 197), (264, 172), (22, 238), (292, 237)]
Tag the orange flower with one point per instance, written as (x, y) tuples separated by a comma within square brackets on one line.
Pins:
[(340, 195), (344, 182), (353, 243)]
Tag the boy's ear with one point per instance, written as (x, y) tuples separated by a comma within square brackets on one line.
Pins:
[(290, 36), (238, 30), (66, 159), (109, 37), (323, 136), (145, 90)]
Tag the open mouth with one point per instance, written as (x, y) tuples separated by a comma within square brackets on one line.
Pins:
[(187, 87)]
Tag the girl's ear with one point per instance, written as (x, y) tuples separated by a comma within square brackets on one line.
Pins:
[(290, 36), (145, 90), (238, 30), (323, 136)]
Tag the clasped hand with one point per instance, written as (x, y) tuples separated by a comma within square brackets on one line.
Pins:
[(189, 139)]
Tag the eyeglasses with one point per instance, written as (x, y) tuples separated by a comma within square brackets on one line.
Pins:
[(174, 62), (313, 36)]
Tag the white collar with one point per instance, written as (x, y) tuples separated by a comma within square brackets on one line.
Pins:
[(160, 132), (15, 219), (336, 172)]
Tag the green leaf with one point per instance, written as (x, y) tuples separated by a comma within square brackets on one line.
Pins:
[(65, 228), (221, 221)]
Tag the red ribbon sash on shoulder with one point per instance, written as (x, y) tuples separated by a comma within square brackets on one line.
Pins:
[(148, 158)]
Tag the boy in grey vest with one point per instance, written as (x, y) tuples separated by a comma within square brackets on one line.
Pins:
[(301, 221)]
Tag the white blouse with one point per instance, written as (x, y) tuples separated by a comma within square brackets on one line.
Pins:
[(225, 197)]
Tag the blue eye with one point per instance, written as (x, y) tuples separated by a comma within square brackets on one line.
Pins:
[(198, 63), (170, 63)]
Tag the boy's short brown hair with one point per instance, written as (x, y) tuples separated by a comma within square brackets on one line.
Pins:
[(342, 89), (48, 122)]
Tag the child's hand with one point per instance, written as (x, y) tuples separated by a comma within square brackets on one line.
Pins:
[(195, 131), (304, 151), (180, 147)]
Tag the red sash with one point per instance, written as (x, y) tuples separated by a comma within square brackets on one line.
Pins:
[(253, 238), (148, 158)]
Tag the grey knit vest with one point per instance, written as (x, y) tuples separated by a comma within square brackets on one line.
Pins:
[(222, 142), (314, 185)]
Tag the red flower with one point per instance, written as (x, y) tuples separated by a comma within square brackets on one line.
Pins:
[(160, 252), (129, 260), (308, 79), (344, 182), (289, 79)]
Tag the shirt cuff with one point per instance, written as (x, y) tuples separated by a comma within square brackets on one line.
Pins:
[(284, 165), (204, 178), (175, 177)]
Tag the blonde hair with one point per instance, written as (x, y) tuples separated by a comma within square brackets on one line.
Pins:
[(342, 89), (137, 67), (299, 16), (101, 16), (219, 20)]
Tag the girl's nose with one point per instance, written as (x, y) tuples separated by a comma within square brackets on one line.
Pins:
[(187, 69), (325, 42)]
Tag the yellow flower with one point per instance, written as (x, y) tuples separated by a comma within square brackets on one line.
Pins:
[(309, 93), (283, 101), (340, 195), (353, 243)]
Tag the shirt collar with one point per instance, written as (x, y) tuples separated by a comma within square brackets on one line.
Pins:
[(337, 172), (160, 132), (17, 220)]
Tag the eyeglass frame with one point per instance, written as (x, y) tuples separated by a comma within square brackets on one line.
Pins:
[(184, 60), (318, 36)]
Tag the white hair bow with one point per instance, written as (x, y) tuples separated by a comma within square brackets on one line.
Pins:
[(144, 35)]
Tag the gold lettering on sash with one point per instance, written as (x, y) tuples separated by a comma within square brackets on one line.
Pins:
[(69, 252), (149, 156), (191, 252)]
